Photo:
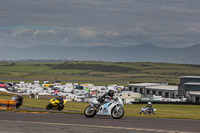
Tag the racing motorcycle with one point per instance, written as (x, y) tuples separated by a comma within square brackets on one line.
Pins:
[(113, 107), (145, 110), (18, 101), (55, 104)]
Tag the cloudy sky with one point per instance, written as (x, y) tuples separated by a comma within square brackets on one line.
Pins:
[(165, 23)]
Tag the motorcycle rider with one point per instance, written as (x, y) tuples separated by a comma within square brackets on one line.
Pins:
[(150, 107), (19, 100), (109, 95), (60, 99)]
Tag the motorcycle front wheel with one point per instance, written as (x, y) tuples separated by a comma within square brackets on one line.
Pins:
[(48, 107), (117, 114), (90, 111)]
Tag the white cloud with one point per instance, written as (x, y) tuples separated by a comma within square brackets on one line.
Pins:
[(45, 32), (66, 39), (172, 39), (21, 32), (136, 33), (84, 33), (31, 32), (180, 9), (111, 34)]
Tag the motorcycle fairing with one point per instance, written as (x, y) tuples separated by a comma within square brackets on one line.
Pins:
[(106, 109)]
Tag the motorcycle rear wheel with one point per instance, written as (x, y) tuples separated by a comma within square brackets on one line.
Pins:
[(90, 111), (117, 114), (60, 107)]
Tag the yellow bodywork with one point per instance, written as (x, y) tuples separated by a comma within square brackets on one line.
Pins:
[(55, 101)]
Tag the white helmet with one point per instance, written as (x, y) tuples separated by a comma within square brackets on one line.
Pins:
[(149, 103), (19, 94)]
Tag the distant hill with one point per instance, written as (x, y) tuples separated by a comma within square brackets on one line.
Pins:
[(140, 53)]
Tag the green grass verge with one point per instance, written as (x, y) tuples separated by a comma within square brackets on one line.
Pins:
[(131, 110), (98, 71)]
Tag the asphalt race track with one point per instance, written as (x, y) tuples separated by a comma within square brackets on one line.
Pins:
[(19, 122)]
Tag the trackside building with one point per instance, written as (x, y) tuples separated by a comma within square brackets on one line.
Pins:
[(189, 87), (156, 89)]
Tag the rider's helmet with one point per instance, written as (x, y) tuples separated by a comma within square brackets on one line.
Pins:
[(19, 94), (149, 103), (111, 93), (59, 95)]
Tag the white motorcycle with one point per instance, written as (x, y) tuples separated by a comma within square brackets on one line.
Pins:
[(113, 107), (145, 110)]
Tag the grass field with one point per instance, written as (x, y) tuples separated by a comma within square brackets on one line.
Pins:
[(132, 110), (99, 73)]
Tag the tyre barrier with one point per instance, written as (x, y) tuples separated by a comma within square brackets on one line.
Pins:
[(7, 104), (11, 104), (3, 104)]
